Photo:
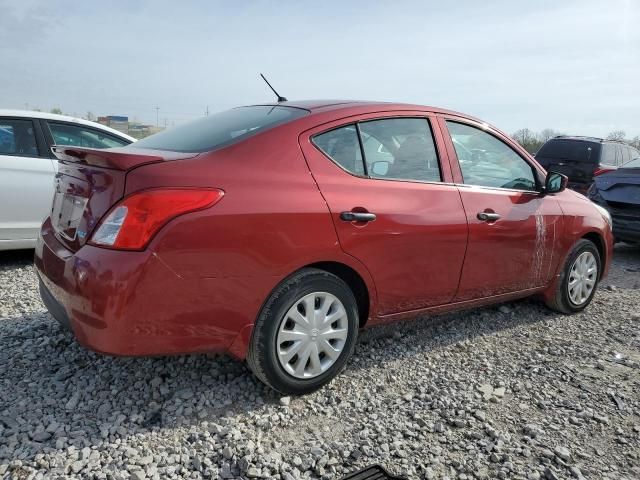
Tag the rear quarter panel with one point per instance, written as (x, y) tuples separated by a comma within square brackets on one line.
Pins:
[(271, 222)]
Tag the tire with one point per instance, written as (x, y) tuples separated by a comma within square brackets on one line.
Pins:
[(267, 350), (562, 301)]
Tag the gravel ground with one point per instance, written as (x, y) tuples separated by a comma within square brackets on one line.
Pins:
[(513, 391)]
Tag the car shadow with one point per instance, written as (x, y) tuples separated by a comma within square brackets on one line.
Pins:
[(16, 257)]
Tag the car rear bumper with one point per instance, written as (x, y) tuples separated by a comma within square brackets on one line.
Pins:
[(133, 304)]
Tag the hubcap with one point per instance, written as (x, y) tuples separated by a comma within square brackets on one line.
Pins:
[(312, 335), (582, 278)]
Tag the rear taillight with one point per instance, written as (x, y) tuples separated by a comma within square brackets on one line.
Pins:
[(602, 169), (132, 222)]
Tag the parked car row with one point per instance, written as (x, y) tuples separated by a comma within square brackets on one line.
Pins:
[(619, 193), (275, 232), (28, 167), (583, 158), (607, 171)]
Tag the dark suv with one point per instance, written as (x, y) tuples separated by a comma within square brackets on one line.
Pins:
[(582, 158)]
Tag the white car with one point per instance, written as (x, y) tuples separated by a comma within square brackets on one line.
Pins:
[(28, 167)]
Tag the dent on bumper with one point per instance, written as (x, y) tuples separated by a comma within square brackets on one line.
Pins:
[(131, 303)]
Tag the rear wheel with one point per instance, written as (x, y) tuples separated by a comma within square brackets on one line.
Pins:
[(578, 280), (305, 333)]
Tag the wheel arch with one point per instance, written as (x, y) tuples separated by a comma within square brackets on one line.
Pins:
[(598, 241), (355, 282)]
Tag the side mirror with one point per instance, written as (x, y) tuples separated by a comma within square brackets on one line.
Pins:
[(380, 168), (555, 182)]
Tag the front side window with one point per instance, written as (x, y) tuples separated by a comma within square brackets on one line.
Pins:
[(489, 162), (80, 136), (17, 138)]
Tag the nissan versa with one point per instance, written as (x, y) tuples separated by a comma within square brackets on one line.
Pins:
[(275, 232)]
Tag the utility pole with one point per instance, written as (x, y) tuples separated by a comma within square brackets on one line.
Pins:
[(207, 110), (157, 117)]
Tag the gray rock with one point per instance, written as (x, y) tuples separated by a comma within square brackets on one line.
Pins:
[(563, 453)]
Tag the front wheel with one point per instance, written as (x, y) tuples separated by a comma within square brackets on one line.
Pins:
[(578, 280), (305, 333)]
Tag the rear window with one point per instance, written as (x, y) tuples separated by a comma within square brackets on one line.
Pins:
[(221, 129), (576, 150)]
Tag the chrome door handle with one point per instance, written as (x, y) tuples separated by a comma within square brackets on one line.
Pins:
[(357, 216), (488, 217)]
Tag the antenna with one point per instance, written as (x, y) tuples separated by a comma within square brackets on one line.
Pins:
[(280, 99)]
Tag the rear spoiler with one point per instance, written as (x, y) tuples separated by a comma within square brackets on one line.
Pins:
[(115, 158)]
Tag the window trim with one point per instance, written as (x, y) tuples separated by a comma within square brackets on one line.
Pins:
[(41, 150), (536, 172), (430, 122)]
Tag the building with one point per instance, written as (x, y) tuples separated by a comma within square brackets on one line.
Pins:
[(118, 122)]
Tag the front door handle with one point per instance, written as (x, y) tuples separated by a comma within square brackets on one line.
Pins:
[(488, 216), (357, 216)]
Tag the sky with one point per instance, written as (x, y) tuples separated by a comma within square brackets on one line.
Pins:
[(573, 65)]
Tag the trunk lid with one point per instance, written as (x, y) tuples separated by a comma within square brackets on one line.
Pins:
[(89, 182)]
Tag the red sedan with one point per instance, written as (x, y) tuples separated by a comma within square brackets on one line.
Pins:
[(275, 232)]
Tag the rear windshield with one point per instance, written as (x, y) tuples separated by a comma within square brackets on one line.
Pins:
[(576, 150), (221, 129)]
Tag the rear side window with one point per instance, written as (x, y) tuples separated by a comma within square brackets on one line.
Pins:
[(564, 149), (342, 146), (406, 150), (608, 154), (394, 149), (80, 136), (17, 138), (221, 129)]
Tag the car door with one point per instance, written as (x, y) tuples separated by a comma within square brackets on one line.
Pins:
[(512, 227), (397, 210), (26, 181)]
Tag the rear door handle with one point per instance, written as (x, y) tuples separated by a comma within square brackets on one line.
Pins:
[(488, 217), (357, 216)]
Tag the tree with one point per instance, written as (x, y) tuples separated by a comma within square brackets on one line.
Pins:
[(527, 139), (56, 110), (635, 142), (546, 134), (617, 135)]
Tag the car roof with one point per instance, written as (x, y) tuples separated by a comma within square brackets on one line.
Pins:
[(316, 106), (63, 118), (580, 138)]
